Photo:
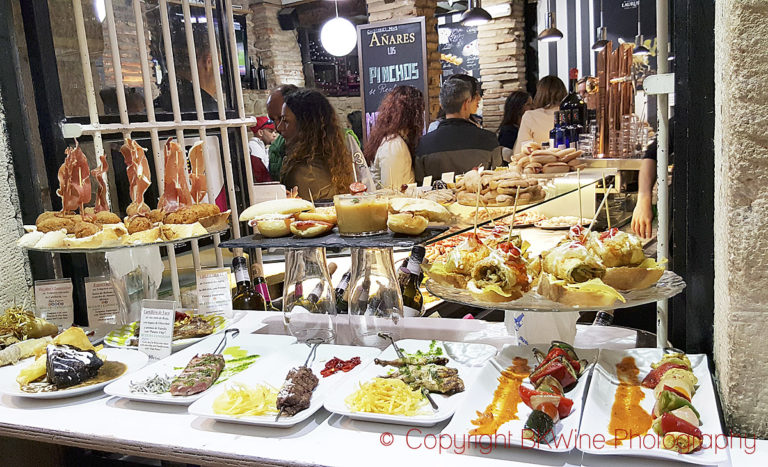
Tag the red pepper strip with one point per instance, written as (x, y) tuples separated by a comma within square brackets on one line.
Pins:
[(654, 376), (557, 368), (563, 407), (556, 352), (670, 422), (679, 393)]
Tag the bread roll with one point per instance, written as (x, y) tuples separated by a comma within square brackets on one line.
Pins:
[(324, 214), (276, 206), (571, 156), (273, 226), (544, 159), (555, 168), (628, 278), (434, 212), (172, 232), (561, 293), (145, 236), (310, 228), (407, 223)]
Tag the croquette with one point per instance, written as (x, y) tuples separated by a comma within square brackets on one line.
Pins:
[(156, 215), (182, 216), (134, 209), (138, 224), (106, 217), (86, 229), (53, 223)]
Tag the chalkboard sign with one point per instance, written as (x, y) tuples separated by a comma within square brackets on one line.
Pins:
[(459, 50), (392, 53)]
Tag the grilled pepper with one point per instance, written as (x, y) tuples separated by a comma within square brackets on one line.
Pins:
[(655, 375), (560, 369), (669, 401)]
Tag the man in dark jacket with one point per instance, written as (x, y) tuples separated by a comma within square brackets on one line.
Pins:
[(457, 145)]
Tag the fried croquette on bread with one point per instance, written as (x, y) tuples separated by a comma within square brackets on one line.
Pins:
[(86, 229), (137, 224), (106, 217)]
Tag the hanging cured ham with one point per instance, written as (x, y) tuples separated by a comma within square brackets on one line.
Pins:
[(176, 193), (197, 175), (74, 180), (139, 177), (101, 194)]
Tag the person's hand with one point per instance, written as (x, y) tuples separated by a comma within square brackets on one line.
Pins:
[(642, 218)]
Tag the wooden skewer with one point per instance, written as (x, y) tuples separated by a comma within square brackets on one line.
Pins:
[(477, 206), (605, 197), (578, 182), (599, 208), (490, 216), (311, 200), (514, 213)]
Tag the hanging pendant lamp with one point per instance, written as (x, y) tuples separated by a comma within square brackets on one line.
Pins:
[(602, 33), (338, 35), (551, 33), (639, 49), (475, 15)]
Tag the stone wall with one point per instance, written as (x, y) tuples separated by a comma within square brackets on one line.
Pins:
[(741, 212), (278, 49), (502, 59), (383, 10), (15, 276), (345, 105)]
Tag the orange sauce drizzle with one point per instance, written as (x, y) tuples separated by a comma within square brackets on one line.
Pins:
[(506, 398), (628, 419)]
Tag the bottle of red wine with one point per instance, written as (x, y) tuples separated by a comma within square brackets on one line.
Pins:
[(409, 278), (553, 131), (573, 101), (260, 284), (262, 72)]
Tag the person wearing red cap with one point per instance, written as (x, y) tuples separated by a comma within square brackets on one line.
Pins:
[(264, 133)]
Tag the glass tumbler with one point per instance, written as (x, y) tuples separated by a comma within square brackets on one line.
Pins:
[(375, 303), (309, 304)]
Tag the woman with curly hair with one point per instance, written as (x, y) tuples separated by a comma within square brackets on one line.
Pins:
[(317, 159), (394, 137)]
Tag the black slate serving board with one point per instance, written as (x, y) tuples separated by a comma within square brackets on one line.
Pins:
[(334, 240)]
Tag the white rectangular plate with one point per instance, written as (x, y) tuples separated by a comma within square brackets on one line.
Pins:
[(597, 410), (461, 356), (272, 370), (253, 344), (566, 431)]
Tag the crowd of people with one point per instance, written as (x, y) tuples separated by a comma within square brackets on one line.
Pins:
[(302, 143)]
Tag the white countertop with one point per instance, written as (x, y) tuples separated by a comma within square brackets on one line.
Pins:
[(105, 423)]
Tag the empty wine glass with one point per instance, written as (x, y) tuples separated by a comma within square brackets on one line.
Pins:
[(309, 305), (375, 303)]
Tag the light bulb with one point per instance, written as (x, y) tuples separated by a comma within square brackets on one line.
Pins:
[(338, 36)]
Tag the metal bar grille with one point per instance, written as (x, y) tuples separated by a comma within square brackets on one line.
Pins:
[(152, 126)]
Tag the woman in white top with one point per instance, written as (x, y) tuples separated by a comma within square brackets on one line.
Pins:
[(394, 136), (535, 124)]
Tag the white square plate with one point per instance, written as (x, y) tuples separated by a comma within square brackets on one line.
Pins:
[(273, 369), (602, 390), (461, 356), (566, 431), (252, 344)]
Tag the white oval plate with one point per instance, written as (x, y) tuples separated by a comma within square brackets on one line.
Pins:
[(133, 359)]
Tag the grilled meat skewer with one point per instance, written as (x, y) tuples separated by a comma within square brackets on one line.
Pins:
[(432, 377), (296, 393), (420, 360)]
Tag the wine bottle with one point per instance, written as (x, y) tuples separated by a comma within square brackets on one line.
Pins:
[(342, 307), (553, 131), (573, 100), (560, 141), (574, 130), (262, 72), (245, 298), (259, 284), (409, 278)]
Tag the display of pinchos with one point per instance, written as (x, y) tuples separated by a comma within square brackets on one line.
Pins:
[(188, 328)]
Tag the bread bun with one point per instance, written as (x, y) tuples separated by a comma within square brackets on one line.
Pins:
[(407, 223), (544, 152), (533, 168), (571, 156), (172, 232), (628, 278), (488, 295), (544, 159), (310, 229), (53, 239), (434, 212), (273, 226), (558, 291), (30, 239), (325, 214), (101, 239), (276, 206), (555, 168), (145, 236)]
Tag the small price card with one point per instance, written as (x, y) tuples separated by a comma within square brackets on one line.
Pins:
[(53, 300), (101, 300), (156, 332), (448, 177), (213, 292), (427, 181)]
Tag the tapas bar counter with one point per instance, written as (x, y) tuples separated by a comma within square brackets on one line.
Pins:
[(168, 432)]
